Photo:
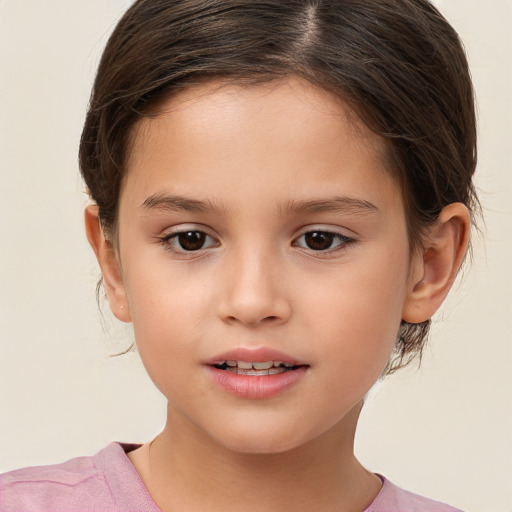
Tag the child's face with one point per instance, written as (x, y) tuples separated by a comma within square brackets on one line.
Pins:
[(293, 240)]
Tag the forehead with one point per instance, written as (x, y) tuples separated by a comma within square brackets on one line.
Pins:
[(236, 104), (286, 134)]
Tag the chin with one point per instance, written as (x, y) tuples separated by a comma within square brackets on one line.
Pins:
[(263, 440)]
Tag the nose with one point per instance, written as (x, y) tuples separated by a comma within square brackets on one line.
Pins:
[(253, 290)]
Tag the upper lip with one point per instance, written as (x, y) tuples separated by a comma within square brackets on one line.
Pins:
[(255, 355)]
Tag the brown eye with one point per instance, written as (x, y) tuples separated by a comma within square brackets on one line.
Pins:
[(188, 241), (191, 240), (319, 240), (322, 240)]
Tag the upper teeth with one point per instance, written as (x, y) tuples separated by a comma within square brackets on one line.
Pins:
[(263, 365)]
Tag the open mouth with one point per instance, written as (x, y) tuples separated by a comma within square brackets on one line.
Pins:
[(256, 374), (256, 368)]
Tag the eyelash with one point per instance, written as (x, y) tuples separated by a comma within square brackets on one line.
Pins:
[(168, 241), (171, 240), (342, 241)]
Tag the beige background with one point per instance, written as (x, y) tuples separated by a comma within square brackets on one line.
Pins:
[(444, 431)]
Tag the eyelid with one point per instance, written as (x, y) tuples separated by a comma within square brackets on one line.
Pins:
[(344, 239), (172, 233), (327, 228), (184, 228)]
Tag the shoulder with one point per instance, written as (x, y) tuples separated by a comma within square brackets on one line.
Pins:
[(83, 483), (394, 499)]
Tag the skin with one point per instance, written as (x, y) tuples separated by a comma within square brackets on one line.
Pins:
[(255, 155)]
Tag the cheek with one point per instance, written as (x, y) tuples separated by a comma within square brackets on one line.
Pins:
[(358, 312), (356, 349), (169, 311), (161, 293)]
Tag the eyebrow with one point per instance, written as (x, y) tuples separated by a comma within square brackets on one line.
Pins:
[(164, 202), (342, 204), (349, 205)]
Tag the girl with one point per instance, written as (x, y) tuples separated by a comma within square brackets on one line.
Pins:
[(282, 198)]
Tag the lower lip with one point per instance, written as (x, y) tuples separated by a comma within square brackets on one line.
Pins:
[(254, 387)]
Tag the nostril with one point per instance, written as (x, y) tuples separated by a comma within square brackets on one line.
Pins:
[(254, 310)]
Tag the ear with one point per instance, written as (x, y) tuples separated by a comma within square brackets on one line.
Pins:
[(109, 264), (435, 266)]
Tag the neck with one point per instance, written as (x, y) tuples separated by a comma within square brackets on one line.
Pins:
[(184, 469)]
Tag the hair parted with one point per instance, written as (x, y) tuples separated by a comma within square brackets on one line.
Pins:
[(398, 63)]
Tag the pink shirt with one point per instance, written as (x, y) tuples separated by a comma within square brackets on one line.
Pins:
[(108, 482)]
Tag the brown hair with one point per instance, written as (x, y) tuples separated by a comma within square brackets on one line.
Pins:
[(398, 63)]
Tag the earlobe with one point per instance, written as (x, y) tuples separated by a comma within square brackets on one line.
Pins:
[(435, 267), (109, 264)]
